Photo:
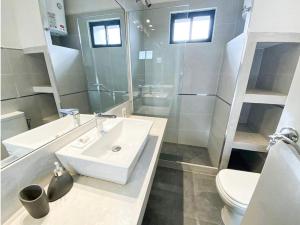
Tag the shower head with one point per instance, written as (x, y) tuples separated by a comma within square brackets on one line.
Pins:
[(148, 3), (145, 2)]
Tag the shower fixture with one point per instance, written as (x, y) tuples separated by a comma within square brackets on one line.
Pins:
[(145, 2)]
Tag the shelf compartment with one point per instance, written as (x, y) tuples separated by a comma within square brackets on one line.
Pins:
[(273, 69), (247, 140), (256, 123), (264, 97), (43, 89)]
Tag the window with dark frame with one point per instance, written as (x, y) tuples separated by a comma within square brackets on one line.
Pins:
[(192, 27), (106, 33)]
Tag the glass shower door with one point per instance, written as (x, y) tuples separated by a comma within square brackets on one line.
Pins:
[(156, 68), (105, 64)]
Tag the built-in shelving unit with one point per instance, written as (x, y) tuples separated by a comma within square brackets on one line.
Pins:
[(264, 97), (45, 88), (246, 139)]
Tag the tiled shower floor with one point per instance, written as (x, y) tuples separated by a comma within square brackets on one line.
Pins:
[(185, 153), (183, 198)]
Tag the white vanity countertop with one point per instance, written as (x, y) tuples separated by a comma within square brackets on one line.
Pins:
[(97, 202)]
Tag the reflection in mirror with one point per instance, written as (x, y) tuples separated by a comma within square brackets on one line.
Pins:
[(50, 90), (97, 30)]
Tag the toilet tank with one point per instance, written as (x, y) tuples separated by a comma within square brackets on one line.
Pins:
[(13, 124)]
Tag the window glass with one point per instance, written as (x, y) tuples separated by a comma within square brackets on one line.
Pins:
[(194, 26), (113, 35), (99, 35), (181, 30), (200, 28), (106, 33)]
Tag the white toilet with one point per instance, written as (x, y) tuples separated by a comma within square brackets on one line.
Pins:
[(235, 188)]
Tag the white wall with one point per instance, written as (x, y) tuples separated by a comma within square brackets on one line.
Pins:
[(21, 24), (29, 23), (291, 113), (87, 6), (9, 31), (230, 68), (68, 69), (275, 16), (275, 200)]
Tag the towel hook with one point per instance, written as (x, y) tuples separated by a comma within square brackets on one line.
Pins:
[(288, 135)]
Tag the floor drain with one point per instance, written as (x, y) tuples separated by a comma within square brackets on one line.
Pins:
[(116, 148)]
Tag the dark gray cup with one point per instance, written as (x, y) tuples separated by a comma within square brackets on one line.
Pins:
[(34, 199)]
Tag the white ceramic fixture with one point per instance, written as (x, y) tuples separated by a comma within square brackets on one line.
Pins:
[(236, 189), (110, 155), (33, 139), (12, 124)]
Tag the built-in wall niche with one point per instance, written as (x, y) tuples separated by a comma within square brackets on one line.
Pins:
[(272, 72), (42, 87), (247, 160), (41, 82), (256, 123)]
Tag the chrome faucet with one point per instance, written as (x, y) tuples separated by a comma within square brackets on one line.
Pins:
[(72, 111), (99, 122)]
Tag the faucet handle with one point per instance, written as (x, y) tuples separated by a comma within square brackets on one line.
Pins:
[(104, 115)]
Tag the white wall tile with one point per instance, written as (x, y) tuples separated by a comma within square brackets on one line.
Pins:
[(23, 84), (193, 137), (196, 104), (171, 135), (78, 100), (8, 87), (218, 129), (189, 121), (9, 106)]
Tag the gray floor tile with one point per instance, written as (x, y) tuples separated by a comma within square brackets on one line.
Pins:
[(209, 207), (185, 153), (183, 198), (204, 182)]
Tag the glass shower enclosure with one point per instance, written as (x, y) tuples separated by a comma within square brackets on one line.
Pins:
[(159, 89)]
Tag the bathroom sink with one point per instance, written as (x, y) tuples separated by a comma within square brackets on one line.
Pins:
[(33, 139), (111, 155)]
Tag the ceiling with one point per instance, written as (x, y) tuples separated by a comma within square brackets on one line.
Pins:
[(84, 6)]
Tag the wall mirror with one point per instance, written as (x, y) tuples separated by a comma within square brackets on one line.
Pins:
[(83, 67)]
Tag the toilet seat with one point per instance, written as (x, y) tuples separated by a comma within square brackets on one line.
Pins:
[(230, 202), (236, 187)]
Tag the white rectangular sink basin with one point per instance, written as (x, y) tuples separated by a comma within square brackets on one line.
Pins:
[(33, 139), (111, 156)]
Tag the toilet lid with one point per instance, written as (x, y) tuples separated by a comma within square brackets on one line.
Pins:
[(238, 185)]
